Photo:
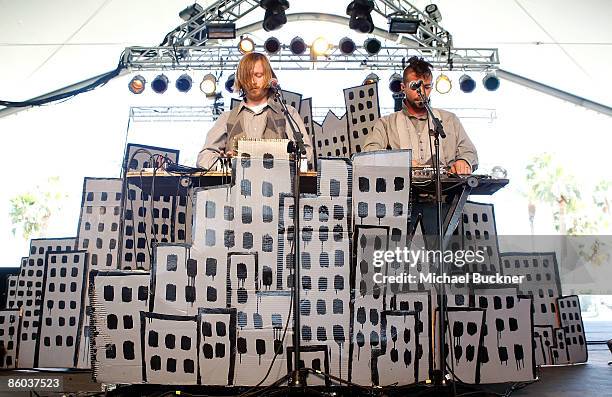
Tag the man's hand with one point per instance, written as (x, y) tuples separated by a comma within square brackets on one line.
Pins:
[(228, 154), (461, 167)]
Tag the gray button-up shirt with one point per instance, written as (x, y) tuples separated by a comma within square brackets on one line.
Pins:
[(254, 125)]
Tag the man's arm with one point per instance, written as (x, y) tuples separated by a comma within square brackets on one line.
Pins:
[(216, 141), (465, 150), (377, 139), (302, 128)]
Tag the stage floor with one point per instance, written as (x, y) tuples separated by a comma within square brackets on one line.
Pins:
[(591, 379)]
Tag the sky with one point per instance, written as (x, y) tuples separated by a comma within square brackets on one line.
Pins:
[(48, 45)]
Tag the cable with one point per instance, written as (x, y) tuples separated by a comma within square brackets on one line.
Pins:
[(276, 352), (101, 81)]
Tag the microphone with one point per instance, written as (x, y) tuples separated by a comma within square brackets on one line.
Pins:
[(273, 85), (415, 85)]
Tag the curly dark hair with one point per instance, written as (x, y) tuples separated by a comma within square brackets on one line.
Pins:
[(419, 66)]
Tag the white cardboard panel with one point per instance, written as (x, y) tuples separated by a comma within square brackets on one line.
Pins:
[(362, 111), (168, 357), (30, 290), (116, 349), (62, 313), (10, 323)]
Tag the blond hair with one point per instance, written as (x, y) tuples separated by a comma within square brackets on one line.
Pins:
[(244, 72)]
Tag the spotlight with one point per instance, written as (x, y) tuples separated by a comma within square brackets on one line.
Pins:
[(190, 11), (221, 30), (246, 45), (137, 84), (372, 45), (319, 47), (491, 82), (160, 84), (395, 83), (443, 84), (347, 46), (297, 46), (209, 85), (183, 83), (404, 25), (361, 20), (229, 83), (272, 45), (371, 79), (433, 12), (466, 83), (275, 14)]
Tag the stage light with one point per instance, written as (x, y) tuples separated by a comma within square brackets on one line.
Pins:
[(229, 83), (372, 45), (137, 84), (221, 30), (466, 83), (275, 16), (297, 46), (361, 20), (246, 45), (160, 84), (319, 47), (183, 83), (272, 45), (491, 82), (395, 83), (433, 12), (443, 84), (404, 25), (371, 79), (209, 85), (347, 46), (190, 11)]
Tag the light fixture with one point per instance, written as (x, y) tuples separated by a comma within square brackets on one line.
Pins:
[(319, 47), (395, 83), (160, 84), (209, 85), (137, 84), (272, 45), (433, 12), (275, 16), (372, 45), (361, 20), (466, 83), (297, 46), (443, 84), (190, 11), (221, 30), (371, 79), (183, 83), (229, 83), (246, 45), (347, 46), (491, 81), (404, 25)]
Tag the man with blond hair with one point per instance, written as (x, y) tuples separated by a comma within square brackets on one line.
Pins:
[(258, 116)]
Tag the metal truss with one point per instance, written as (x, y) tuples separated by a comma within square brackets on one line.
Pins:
[(193, 31), (389, 58), (210, 113)]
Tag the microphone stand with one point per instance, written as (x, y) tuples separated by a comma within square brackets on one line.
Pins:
[(437, 132), (297, 148)]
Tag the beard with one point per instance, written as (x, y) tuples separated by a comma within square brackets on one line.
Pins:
[(256, 94), (417, 104)]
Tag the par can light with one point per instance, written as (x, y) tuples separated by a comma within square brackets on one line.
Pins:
[(137, 84), (160, 84)]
